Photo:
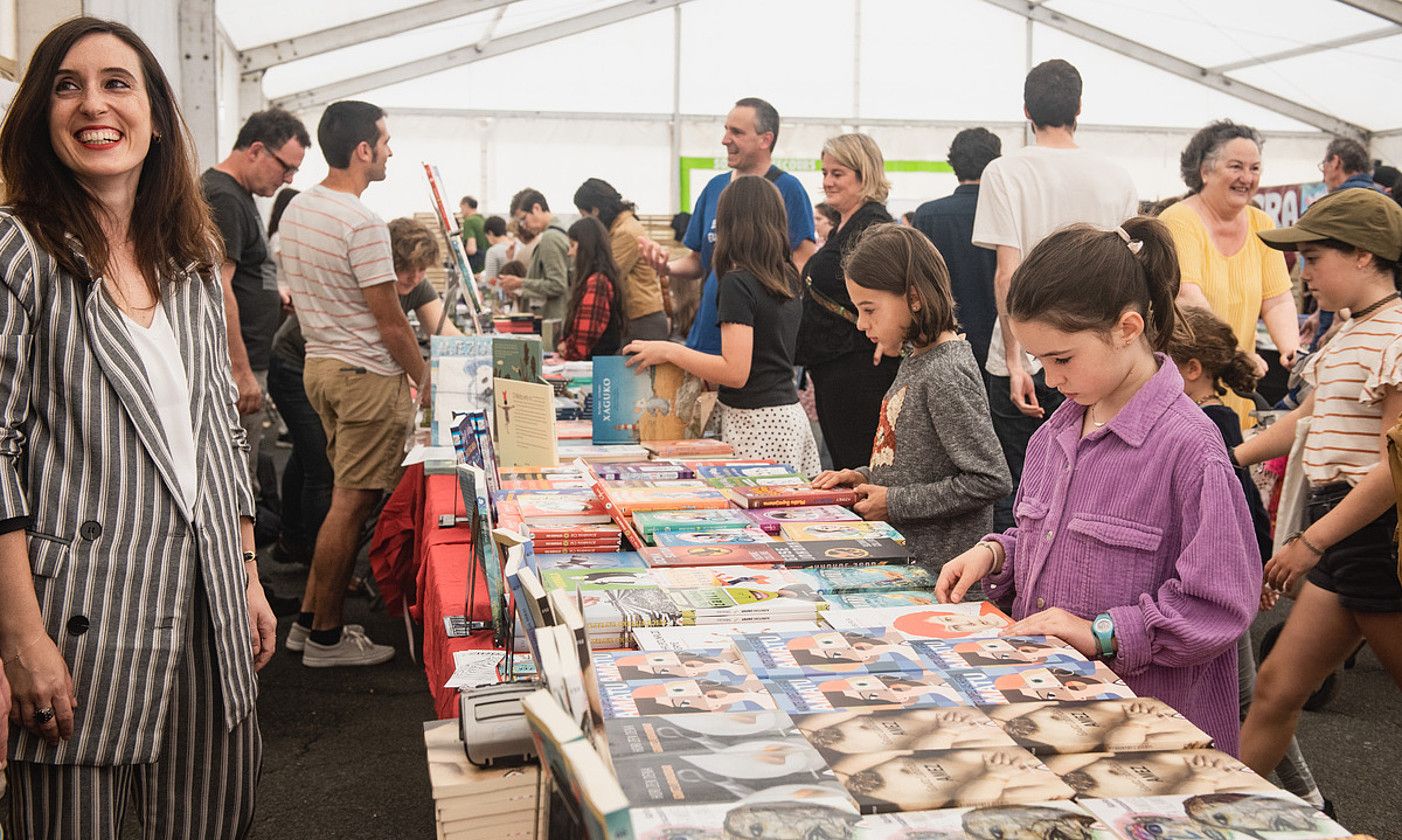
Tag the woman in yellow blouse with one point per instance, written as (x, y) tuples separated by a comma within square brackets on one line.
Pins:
[(1226, 268)]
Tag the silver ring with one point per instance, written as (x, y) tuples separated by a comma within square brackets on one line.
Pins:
[(44, 715)]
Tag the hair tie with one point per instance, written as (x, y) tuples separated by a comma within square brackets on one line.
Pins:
[(1134, 245)]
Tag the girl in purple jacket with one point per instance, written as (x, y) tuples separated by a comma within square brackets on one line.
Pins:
[(1132, 540)]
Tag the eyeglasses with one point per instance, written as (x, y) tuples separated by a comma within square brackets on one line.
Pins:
[(287, 168)]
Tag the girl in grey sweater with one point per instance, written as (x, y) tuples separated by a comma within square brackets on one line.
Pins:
[(936, 467)]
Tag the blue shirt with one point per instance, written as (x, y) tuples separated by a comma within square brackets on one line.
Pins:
[(949, 224), (701, 238)]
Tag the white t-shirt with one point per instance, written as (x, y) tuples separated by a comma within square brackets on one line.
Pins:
[(1030, 192), (170, 392)]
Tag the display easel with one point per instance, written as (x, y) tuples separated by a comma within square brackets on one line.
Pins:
[(464, 285)]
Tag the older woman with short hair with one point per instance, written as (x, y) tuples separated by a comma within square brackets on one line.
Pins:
[(849, 376), (1226, 267)]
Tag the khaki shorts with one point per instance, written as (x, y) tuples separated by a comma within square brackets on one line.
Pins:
[(366, 417)]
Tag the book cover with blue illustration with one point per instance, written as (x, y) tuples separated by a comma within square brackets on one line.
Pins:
[(827, 652), (631, 406)]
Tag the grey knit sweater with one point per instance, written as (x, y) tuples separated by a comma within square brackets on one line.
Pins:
[(936, 452)]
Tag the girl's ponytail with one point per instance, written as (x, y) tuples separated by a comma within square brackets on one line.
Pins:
[(1159, 263)]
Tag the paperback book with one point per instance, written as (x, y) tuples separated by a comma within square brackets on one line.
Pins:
[(690, 449), (937, 621), (649, 522), (842, 552), (460, 380), (632, 499), (1139, 724), (680, 734), (705, 577), (632, 405), (862, 731), (1056, 820), (705, 636), (905, 780), (826, 653), (894, 689), (827, 531), (745, 470), (879, 600), (853, 579), (518, 358), (590, 561), (1260, 815), (645, 469), (785, 481), (772, 520), (525, 423), (683, 695), (728, 775), (998, 652), (783, 813), (640, 666), (792, 496), (712, 555), (1174, 773), (744, 603), (715, 536), (1030, 682)]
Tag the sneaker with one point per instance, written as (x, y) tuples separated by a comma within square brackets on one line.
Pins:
[(355, 648), (297, 636)]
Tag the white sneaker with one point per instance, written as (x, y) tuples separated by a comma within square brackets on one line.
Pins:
[(355, 648), (297, 636)]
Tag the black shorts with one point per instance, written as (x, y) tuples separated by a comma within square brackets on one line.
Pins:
[(1362, 568)]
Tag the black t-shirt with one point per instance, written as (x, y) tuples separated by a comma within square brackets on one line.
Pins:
[(744, 300), (1228, 422), (824, 335), (255, 275)]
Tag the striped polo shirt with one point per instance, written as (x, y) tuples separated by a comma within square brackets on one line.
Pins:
[(1351, 376), (333, 246)]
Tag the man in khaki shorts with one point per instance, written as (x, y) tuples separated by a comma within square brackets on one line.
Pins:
[(337, 258)]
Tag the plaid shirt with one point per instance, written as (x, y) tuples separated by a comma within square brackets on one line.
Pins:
[(592, 319)]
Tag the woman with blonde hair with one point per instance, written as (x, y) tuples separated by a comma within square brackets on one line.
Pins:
[(850, 374)]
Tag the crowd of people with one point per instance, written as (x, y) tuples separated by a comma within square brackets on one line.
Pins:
[(1048, 392)]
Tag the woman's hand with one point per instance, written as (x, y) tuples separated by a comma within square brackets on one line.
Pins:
[(828, 479), (39, 679), (1071, 629), (1287, 568), (262, 626), (645, 354), (872, 505), (962, 572), (654, 255)]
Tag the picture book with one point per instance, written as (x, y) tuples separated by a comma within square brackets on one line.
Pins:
[(892, 689), (518, 358), (772, 520), (632, 405), (824, 531), (611, 613), (727, 775), (643, 482), (791, 813), (525, 423), (851, 579), (545, 484), (745, 470), (712, 555), (588, 560), (460, 379), (937, 621), (632, 499), (645, 469), (1174, 773), (603, 454), (705, 577), (1138, 724), (1259, 815), (825, 653), (649, 522), (948, 654), (766, 497), (861, 731), (679, 734), (879, 600), (904, 780), (693, 449), (567, 676), (842, 552), (594, 578), (1038, 681), (640, 666), (715, 536), (602, 802), (704, 636), (683, 695), (723, 605), (1062, 819), (785, 481)]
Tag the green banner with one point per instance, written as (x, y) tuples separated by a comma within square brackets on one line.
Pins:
[(687, 164)]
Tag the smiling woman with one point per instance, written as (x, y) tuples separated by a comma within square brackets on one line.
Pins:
[(129, 643)]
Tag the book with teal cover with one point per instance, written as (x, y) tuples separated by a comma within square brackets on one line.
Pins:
[(517, 357)]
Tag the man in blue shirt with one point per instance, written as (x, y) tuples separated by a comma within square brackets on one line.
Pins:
[(1345, 167), (751, 130)]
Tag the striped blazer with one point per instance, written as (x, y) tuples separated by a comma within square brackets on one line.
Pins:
[(115, 558)]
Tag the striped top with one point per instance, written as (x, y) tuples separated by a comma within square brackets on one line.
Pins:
[(332, 247), (1351, 375)]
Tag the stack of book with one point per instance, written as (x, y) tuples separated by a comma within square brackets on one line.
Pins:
[(474, 803)]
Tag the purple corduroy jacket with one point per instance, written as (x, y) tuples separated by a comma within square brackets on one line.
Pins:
[(1143, 519)]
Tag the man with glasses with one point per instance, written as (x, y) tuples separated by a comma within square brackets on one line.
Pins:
[(547, 279), (1346, 166), (266, 155)]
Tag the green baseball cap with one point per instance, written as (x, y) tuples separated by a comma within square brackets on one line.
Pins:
[(1365, 219)]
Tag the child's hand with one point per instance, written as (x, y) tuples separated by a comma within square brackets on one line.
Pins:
[(828, 479), (873, 502), (1287, 568), (1269, 598), (645, 354), (961, 573), (1071, 629)]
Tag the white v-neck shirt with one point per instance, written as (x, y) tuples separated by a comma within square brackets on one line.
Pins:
[(170, 391)]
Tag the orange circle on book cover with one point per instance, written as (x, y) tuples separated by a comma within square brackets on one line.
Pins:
[(847, 553), (707, 551)]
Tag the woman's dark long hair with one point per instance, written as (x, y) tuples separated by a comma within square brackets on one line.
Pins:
[(598, 194), (170, 225), (593, 255), (752, 233), (284, 198)]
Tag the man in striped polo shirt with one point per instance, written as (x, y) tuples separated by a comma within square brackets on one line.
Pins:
[(360, 348)]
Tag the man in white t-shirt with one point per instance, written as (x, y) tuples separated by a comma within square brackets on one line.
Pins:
[(360, 348), (1025, 195)]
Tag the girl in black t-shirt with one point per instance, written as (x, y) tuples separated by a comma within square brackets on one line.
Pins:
[(759, 311)]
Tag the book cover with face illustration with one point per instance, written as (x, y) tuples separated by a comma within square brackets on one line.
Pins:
[(772, 520), (704, 636), (1265, 815), (1138, 724), (680, 695), (1173, 773), (937, 621), (728, 603), (915, 780), (729, 774), (643, 666), (1001, 651), (826, 653), (1056, 820), (808, 813), (857, 731), (1069, 680), (895, 689), (697, 733), (826, 531)]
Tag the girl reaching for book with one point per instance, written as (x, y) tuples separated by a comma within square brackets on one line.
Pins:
[(759, 310), (936, 467), (1132, 540), (594, 315)]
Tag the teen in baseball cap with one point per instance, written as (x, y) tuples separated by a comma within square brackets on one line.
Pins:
[(1364, 219)]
